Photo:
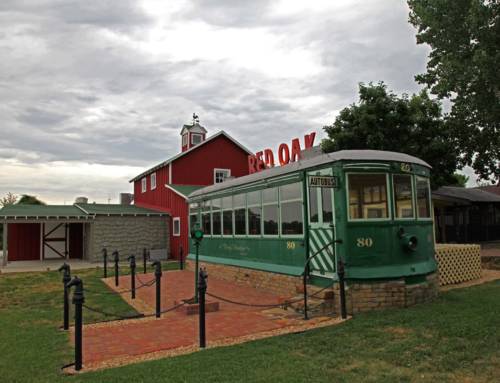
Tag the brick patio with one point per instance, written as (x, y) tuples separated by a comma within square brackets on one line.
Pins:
[(107, 342)]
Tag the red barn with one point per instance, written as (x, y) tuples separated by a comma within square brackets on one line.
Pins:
[(202, 161)]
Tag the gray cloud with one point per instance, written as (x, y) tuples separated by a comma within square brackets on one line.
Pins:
[(78, 86)]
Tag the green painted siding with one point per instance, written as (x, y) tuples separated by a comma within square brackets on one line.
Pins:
[(371, 249)]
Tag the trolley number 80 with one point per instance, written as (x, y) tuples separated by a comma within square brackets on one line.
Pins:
[(364, 242)]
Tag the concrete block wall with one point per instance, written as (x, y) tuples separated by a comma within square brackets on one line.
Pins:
[(127, 234)]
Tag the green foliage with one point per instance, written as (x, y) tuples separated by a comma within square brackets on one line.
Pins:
[(383, 121), (460, 180), (464, 67), (9, 199), (27, 199)]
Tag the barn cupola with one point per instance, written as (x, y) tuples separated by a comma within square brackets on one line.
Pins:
[(192, 134)]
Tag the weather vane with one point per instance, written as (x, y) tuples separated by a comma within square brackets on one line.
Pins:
[(196, 119)]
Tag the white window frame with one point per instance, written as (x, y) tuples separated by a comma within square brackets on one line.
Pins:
[(185, 139), (431, 207), (144, 185), (197, 135), (301, 199), (228, 171), (174, 220), (151, 183)]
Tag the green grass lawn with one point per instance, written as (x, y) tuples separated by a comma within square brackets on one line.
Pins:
[(454, 339)]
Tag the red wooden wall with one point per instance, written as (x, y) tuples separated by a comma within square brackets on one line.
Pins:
[(23, 240), (197, 167)]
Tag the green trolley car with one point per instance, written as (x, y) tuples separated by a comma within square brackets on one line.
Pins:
[(370, 209)]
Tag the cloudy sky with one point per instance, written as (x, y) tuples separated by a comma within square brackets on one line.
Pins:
[(94, 92)]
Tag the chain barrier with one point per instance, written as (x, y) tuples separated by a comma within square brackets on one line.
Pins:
[(108, 314), (147, 284), (284, 304)]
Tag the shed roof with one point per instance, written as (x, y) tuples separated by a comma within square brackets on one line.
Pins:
[(184, 190), (172, 159), (310, 161), (42, 211), (76, 211), (467, 194)]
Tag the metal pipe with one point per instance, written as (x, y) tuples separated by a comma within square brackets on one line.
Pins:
[(132, 275), (341, 273), (116, 259), (65, 280), (158, 273), (202, 288), (78, 300), (105, 259)]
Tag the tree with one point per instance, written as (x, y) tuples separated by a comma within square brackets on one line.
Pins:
[(382, 121), (460, 180), (9, 199), (464, 67), (27, 199)]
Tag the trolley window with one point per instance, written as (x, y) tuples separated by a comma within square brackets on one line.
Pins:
[(216, 217), (292, 212), (368, 196), (239, 203), (403, 196), (270, 211), (423, 198), (254, 212), (227, 216), (193, 216), (205, 218)]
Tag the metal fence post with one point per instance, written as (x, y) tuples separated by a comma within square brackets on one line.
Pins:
[(181, 260), (157, 265), (304, 281), (116, 259), (144, 259), (132, 274), (78, 300), (66, 278), (105, 258), (202, 289), (341, 274)]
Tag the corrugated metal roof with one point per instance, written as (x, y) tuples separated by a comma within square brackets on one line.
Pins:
[(310, 162), (77, 211), (33, 211), (164, 163), (467, 194)]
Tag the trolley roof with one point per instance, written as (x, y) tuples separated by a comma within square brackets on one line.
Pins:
[(309, 161)]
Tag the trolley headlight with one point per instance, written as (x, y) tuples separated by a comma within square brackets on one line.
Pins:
[(408, 241)]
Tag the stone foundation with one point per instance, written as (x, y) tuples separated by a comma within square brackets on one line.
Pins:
[(361, 296)]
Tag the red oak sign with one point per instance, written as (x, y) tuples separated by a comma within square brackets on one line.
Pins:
[(265, 158)]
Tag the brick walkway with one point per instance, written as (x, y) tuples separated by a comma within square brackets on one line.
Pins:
[(125, 339)]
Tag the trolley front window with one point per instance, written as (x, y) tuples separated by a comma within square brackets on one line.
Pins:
[(206, 222), (423, 198), (239, 202), (403, 196), (270, 211), (368, 196), (216, 217)]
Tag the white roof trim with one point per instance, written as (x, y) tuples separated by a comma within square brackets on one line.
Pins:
[(175, 191), (170, 160)]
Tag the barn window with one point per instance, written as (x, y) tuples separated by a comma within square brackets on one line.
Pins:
[(196, 138), (176, 227), (144, 185), (220, 175), (368, 196), (153, 181)]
